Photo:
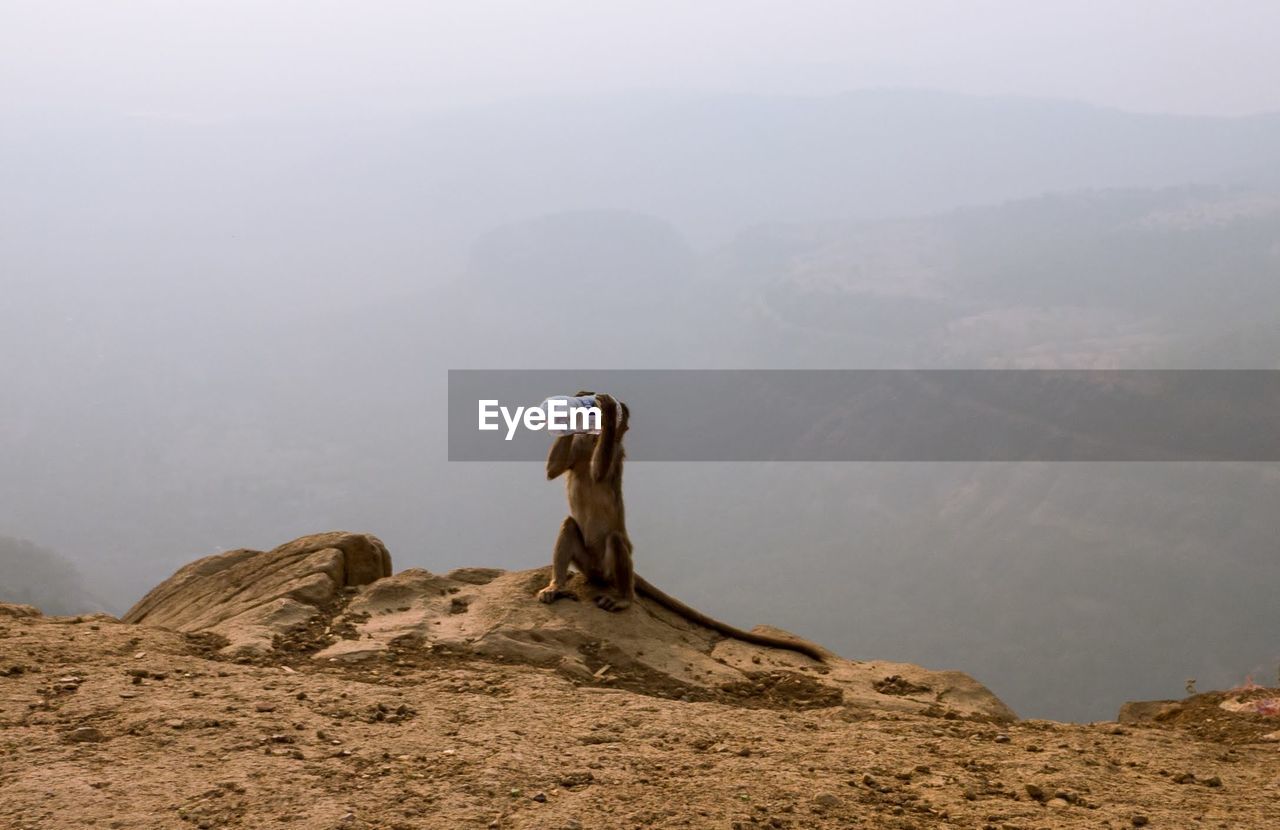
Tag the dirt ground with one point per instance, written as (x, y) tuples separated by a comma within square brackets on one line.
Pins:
[(109, 725)]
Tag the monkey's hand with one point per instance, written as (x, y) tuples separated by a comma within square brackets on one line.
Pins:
[(608, 408)]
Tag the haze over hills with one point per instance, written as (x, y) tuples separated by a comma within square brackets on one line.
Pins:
[(428, 184), (32, 575), (224, 335)]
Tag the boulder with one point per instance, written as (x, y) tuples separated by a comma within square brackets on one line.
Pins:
[(251, 596), (495, 615), (1148, 711)]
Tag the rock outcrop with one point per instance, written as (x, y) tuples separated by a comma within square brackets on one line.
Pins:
[(331, 599), (249, 597), (1246, 714)]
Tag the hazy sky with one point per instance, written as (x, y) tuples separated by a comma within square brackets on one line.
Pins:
[(210, 60)]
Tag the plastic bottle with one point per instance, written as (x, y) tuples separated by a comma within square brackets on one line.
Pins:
[(571, 403)]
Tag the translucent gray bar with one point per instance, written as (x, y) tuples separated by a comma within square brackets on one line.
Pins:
[(896, 415)]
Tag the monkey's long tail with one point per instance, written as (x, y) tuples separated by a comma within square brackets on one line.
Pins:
[(669, 602)]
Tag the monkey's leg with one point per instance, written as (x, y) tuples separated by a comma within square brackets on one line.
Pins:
[(569, 549), (618, 570)]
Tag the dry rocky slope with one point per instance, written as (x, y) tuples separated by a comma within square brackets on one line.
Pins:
[(309, 687)]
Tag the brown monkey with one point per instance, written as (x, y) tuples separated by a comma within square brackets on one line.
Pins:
[(594, 536)]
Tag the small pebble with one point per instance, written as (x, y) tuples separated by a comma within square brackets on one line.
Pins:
[(86, 734)]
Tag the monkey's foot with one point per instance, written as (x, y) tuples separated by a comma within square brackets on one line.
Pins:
[(553, 592), (610, 603)]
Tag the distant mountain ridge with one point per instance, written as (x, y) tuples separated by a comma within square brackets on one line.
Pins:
[(713, 164)]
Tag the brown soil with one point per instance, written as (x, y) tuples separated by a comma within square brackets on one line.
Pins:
[(1203, 716), (109, 725)]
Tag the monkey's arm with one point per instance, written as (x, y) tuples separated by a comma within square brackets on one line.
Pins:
[(606, 451), (560, 457)]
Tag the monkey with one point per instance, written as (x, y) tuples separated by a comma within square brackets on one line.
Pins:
[(593, 537)]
